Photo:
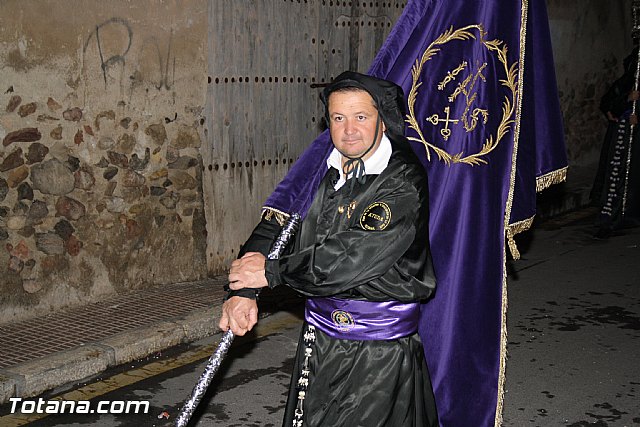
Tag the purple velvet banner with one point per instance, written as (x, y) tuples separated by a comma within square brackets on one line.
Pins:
[(461, 65), (362, 320)]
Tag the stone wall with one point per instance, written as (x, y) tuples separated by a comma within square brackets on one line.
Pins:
[(100, 169), (590, 39)]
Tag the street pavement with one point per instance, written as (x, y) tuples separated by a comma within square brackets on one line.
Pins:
[(574, 328), (573, 348)]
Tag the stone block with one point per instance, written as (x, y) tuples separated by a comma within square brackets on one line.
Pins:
[(70, 208), (7, 388), (132, 179), (118, 159), (12, 161), (126, 143), (84, 178), (64, 367), (53, 105), (73, 114), (187, 137), (52, 177), (25, 192), (183, 162), (50, 243), (16, 222), (56, 133), (4, 189), (139, 343), (37, 152), (13, 103), (157, 132), (27, 109), (17, 175), (182, 180), (139, 164), (37, 212), (201, 323), (22, 135)]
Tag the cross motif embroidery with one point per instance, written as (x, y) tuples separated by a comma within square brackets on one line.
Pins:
[(435, 119)]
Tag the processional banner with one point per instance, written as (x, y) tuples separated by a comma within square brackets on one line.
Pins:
[(483, 116)]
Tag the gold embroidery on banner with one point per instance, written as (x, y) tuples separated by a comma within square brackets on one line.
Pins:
[(435, 119), (470, 99), (466, 87), (451, 75)]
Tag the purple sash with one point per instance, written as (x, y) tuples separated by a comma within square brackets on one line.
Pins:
[(362, 320)]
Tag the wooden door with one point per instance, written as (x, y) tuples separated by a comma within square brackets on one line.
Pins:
[(265, 60)]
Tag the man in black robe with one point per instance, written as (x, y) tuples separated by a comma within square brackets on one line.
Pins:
[(362, 259), (616, 188)]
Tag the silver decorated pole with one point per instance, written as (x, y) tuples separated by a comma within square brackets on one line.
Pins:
[(216, 358)]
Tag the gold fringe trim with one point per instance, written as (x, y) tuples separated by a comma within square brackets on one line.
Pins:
[(520, 226), (551, 178), (512, 230), (268, 213), (524, 10), (513, 248)]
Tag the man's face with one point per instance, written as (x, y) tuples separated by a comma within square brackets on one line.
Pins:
[(352, 123)]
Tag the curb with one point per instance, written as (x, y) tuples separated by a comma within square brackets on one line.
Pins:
[(34, 377)]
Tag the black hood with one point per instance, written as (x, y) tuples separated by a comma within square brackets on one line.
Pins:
[(387, 96)]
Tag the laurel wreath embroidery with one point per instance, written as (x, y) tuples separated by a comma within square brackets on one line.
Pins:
[(508, 105)]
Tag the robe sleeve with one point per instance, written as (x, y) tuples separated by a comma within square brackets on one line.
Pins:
[(389, 259), (260, 240), (262, 237)]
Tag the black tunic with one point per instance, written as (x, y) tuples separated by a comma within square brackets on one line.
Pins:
[(342, 251), (617, 180)]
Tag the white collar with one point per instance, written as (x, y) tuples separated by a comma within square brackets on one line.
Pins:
[(374, 165)]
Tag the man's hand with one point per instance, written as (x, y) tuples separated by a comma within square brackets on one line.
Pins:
[(248, 272), (239, 314)]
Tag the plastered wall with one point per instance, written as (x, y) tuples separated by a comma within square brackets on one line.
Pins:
[(100, 170), (590, 39)]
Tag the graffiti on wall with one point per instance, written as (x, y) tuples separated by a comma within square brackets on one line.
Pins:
[(112, 44)]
